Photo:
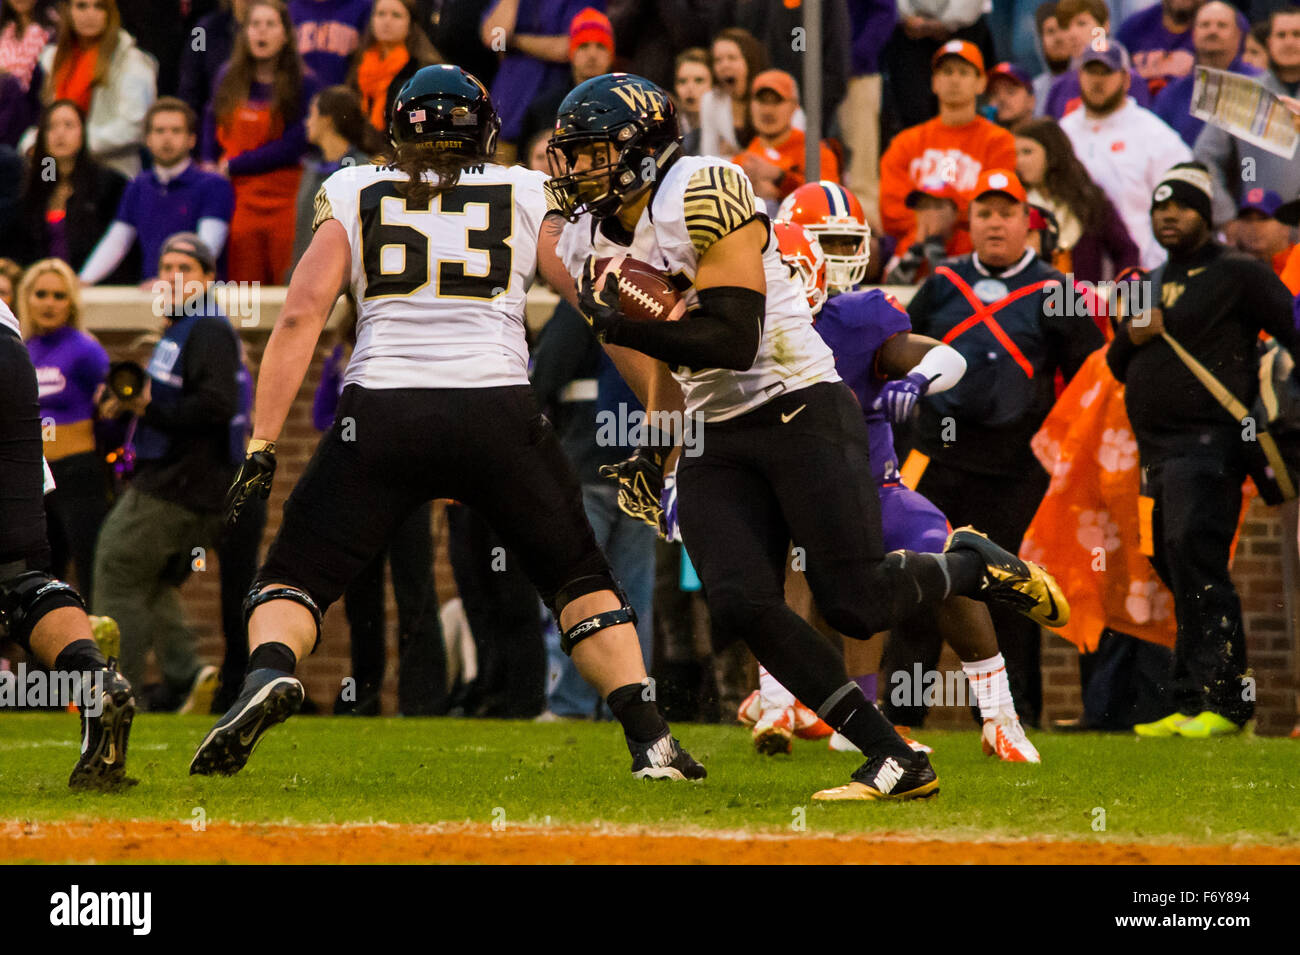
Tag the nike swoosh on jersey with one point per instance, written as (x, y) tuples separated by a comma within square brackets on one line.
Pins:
[(787, 418)]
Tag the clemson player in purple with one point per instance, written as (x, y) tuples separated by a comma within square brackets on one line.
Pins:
[(823, 236)]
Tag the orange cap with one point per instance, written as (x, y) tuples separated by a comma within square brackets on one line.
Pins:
[(999, 180), (959, 48), (779, 82)]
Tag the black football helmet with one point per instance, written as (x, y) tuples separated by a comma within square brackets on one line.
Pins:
[(445, 107), (635, 118)]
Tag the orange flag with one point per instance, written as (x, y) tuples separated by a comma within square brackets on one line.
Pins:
[(1086, 531)]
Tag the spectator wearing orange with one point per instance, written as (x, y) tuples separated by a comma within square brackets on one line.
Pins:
[(591, 54), (392, 49), (725, 124), (940, 211), (97, 65), (1258, 232), (255, 132), (954, 147), (774, 158), (1289, 214)]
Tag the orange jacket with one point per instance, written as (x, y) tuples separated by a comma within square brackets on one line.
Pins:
[(1289, 272), (935, 152)]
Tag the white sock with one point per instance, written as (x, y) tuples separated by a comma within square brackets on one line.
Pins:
[(988, 678), (771, 692)]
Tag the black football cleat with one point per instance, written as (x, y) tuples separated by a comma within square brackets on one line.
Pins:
[(888, 777), (268, 697), (663, 759), (1008, 579), (104, 736)]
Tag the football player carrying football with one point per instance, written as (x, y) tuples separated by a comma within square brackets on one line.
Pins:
[(888, 368), (784, 451), (438, 248)]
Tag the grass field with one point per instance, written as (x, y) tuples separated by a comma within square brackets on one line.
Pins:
[(493, 775)]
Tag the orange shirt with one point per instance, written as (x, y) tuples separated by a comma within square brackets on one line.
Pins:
[(74, 77), (934, 152), (1287, 265), (789, 156), (252, 125)]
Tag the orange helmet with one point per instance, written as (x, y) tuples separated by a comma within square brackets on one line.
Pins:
[(827, 209), (803, 253)]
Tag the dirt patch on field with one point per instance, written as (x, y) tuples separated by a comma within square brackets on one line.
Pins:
[(153, 841)]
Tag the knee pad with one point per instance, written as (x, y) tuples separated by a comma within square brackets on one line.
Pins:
[(261, 593), (29, 596), (591, 625)]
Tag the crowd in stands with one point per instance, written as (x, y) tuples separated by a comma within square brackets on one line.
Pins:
[(125, 123)]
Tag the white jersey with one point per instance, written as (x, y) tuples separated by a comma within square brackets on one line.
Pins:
[(1127, 154), (440, 291), (701, 199), (7, 318)]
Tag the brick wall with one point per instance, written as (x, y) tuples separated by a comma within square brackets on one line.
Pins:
[(1265, 562), (1266, 558)]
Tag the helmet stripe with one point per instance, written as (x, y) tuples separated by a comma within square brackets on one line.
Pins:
[(835, 200)]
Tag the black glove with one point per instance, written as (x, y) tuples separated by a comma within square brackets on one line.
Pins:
[(254, 477), (640, 484), (600, 307)]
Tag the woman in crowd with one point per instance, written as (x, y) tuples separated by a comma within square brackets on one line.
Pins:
[(26, 26), (70, 367), (692, 81), (97, 65), (68, 199), (337, 127), (391, 50), (255, 132), (725, 125), (1093, 243)]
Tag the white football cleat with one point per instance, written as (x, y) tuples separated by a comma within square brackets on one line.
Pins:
[(1006, 738), (751, 709), (808, 725)]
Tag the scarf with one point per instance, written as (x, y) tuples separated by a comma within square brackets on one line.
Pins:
[(375, 72)]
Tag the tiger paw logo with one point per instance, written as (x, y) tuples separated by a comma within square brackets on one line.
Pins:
[(1147, 602), (1096, 529), (1118, 450)]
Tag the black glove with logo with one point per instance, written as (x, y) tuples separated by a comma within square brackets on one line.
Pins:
[(599, 306), (640, 485), (254, 477)]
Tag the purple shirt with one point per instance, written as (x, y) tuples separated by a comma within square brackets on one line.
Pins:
[(1066, 89), (328, 33), (855, 325), (522, 78), (1158, 55), (1174, 103), (157, 210), (70, 365)]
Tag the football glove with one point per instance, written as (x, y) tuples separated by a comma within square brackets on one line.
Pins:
[(599, 306), (898, 398), (254, 477), (640, 483)]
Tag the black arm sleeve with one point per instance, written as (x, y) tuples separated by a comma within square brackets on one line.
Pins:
[(723, 332), (211, 395)]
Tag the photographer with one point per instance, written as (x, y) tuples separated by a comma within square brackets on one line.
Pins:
[(161, 528)]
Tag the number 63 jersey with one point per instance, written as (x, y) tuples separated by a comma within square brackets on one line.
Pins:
[(699, 201), (440, 288)]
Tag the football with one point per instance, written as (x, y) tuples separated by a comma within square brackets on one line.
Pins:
[(644, 293)]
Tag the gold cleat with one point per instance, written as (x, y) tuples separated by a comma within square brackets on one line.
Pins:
[(1008, 579), (107, 636), (885, 777)]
